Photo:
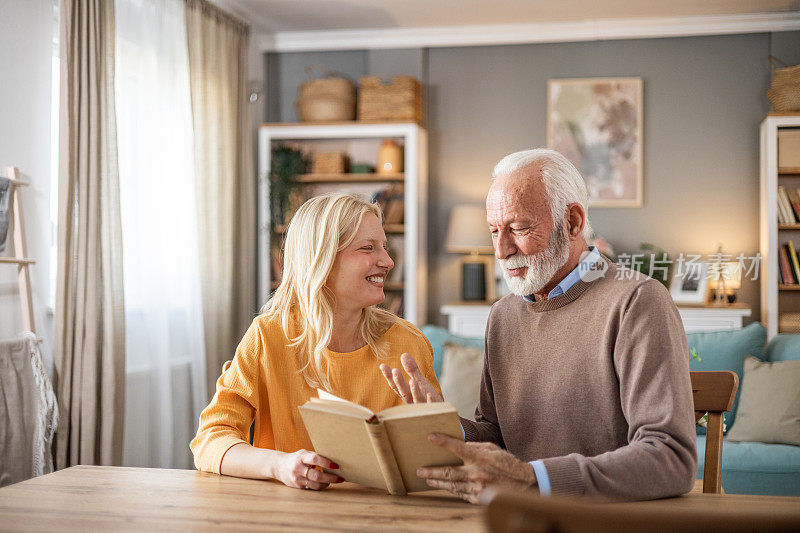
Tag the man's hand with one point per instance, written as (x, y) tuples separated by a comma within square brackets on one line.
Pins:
[(418, 389), (485, 464)]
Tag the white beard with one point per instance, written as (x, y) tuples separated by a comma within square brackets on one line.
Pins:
[(541, 267)]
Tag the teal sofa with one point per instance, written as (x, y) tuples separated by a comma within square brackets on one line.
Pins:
[(747, 467)]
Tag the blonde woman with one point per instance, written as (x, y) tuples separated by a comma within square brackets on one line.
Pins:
[(321, 329)]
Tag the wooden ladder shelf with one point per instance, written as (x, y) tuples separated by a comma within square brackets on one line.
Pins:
[(20, 257)]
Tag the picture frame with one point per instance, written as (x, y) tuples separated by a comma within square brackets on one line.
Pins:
[(689, 283), (596, 123)]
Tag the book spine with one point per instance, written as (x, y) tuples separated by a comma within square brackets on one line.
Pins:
[(793, 260), (385, 455), (784, 211), (794, 200), (786, 270)]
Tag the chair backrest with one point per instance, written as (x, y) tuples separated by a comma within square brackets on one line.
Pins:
[(713, 393), (28, 411), (525, 512)]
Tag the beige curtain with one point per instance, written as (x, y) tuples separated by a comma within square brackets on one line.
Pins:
[(89, 346), (225, 186)]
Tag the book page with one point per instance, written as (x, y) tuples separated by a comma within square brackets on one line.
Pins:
[(325, 395), (409, 437), (415, 409), (340, 406)]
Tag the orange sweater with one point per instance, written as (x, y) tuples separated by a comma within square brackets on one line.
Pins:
[(263, 384)]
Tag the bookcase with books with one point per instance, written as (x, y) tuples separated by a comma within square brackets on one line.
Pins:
[(780, 223), (402, 197)]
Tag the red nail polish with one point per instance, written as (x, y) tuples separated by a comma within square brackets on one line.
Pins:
[(334, 465), (340, 479)]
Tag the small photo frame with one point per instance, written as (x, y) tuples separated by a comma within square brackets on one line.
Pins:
[(690, 283)]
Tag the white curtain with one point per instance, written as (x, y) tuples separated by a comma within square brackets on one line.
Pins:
[(163, 307)]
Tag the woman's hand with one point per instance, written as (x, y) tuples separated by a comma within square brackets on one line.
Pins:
[(417, 390), (297, 470)]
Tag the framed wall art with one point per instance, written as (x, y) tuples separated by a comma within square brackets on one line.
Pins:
[(597, 124)]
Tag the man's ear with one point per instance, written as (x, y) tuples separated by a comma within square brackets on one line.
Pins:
[(576, 219)]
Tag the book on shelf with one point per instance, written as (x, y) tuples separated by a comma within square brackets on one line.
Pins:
[(794, 201), (785, 215), (384, 449), (391, 200), (785, 268), (793, 261)]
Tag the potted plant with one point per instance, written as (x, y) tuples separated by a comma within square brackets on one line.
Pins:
[(286, 164)]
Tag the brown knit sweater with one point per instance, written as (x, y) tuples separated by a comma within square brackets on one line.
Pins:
[(596, 383)]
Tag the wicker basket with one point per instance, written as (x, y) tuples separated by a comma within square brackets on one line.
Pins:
[(784, 94), (329, 163), (398, 101), (329, 97)]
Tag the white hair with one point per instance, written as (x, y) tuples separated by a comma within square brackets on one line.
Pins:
[(562, 181)]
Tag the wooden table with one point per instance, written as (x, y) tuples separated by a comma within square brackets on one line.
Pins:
[(95, 498), (92, 498)]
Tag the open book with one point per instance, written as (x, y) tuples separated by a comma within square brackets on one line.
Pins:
[(384, 449)]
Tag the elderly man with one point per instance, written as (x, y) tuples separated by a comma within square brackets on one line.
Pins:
[(585, 387)]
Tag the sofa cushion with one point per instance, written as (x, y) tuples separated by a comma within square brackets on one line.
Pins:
[(438, 336), (770, 405), (784, 348), (755, 467), (461, 377), (726, 350)]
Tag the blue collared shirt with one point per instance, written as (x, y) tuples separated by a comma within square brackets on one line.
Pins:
[(542, 479), (572, 278)]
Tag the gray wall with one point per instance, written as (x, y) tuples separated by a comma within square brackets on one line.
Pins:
[(704, 98), (26, 37), (285, 72)]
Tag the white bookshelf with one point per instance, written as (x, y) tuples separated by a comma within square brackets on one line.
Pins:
[(775, 298), (361, 140)]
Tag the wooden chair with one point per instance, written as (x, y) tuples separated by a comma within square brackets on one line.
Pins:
[(521, 512), (713, 393)]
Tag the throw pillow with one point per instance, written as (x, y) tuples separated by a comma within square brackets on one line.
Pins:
[(770, 405), (438, 336), (461, 377), (726, 350)]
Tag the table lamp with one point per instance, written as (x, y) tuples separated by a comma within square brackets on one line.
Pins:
[(468, 234), (726, 279)]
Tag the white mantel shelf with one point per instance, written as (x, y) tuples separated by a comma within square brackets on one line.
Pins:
[(713, 318), (469, 319)]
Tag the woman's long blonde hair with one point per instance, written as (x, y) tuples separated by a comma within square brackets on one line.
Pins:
[(321, 228)]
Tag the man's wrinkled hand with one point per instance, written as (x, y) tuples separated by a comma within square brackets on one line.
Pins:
[(485, 465), (418, 389)]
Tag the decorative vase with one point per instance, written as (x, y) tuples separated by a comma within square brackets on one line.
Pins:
[(390, 157)]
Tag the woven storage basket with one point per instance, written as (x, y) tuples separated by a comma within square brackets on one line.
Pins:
[(329, 97), (400, 100), (329, 163), (784, 94)]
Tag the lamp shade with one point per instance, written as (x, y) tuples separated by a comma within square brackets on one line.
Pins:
[(467, 232), (731, 272)]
